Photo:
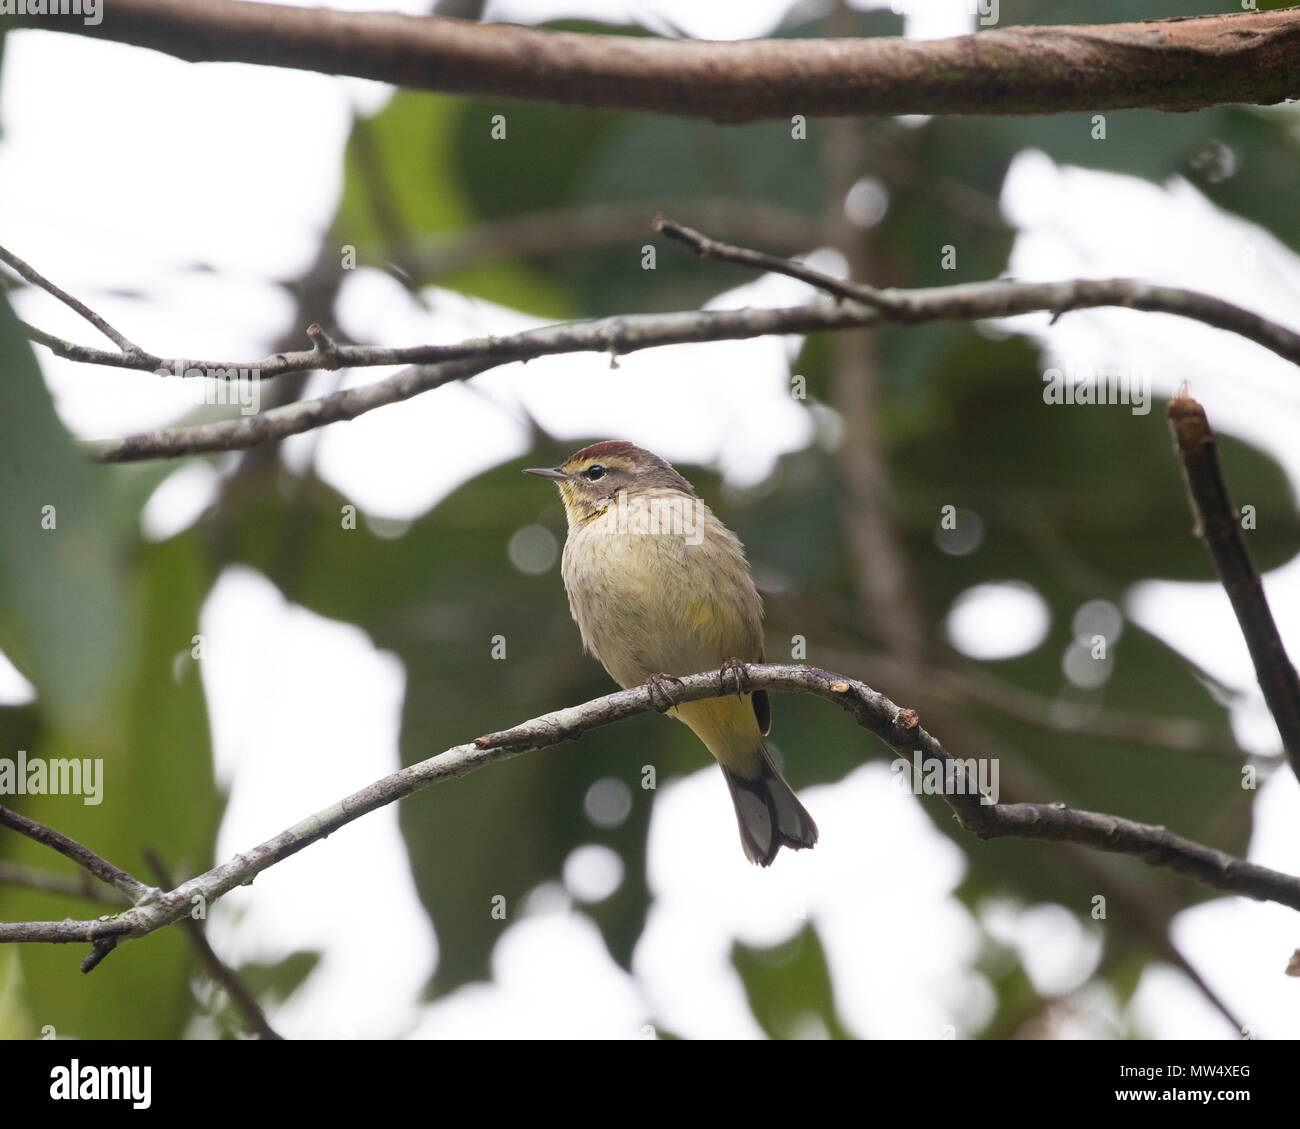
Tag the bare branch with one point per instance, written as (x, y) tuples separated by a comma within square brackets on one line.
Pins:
[(899, 728), (67, 931), (84, 857), (128, 347), (628, 333), (1181, 64), (436, 365), (708, 248), (102, 947), (1219, 526)]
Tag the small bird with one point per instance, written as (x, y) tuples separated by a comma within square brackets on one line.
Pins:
[(659, 588)]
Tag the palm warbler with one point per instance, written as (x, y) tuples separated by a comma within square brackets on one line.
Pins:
[(659, 588)]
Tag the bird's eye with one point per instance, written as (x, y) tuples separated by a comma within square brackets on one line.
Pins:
[(593, 473)]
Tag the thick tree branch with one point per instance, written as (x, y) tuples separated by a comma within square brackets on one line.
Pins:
[(1219, 526), (899, 728), (1180, 64)]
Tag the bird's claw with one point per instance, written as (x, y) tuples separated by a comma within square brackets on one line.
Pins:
[(658, 685), (735, 671)]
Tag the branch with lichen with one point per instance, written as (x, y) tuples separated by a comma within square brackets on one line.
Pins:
[(898, 728)]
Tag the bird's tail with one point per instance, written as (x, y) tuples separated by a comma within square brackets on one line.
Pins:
[(769, 813)]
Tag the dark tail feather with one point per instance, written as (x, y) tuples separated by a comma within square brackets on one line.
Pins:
[(769, 813)]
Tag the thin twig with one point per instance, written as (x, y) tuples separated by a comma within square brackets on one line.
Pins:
[(83, 856), (243, 999), (101, 948), (1219, 526), (709, 248), (899, 728), (128, 347)]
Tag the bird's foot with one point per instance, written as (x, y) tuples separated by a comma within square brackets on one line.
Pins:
[(660, 691), (733, 671)]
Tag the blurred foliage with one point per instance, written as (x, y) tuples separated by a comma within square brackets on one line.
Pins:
[(63, 616), (1077, 505), (789, 987)]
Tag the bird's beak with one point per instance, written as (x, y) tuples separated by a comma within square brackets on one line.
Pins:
[(547, 472)]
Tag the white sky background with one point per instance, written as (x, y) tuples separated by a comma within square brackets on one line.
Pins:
[(259, 220)]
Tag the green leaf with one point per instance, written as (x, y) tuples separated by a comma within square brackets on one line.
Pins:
[(404, 182), (61, 600), (158, 791), (279, 980)]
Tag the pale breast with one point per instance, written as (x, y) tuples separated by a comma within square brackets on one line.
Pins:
[(661, 590)]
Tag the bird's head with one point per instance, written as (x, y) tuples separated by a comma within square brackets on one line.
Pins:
[(591, 480)]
